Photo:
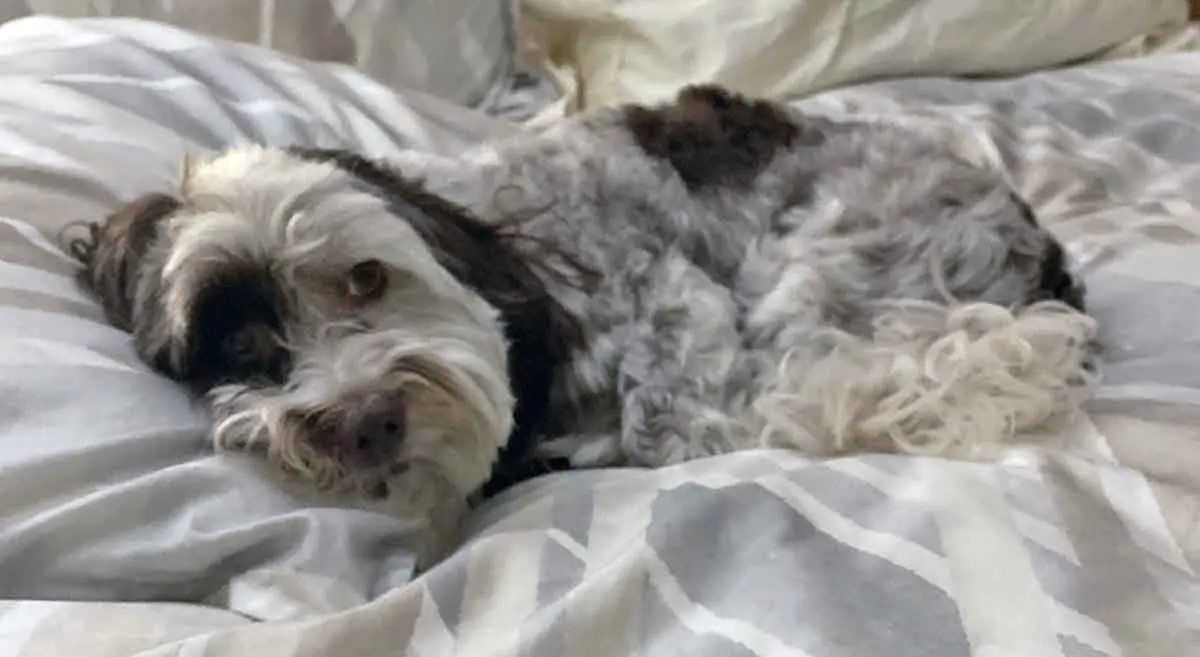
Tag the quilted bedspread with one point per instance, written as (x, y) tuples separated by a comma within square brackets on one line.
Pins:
[(1088, 549)]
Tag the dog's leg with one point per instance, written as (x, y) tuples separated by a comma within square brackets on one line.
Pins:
[(678, 369), (919, 340)]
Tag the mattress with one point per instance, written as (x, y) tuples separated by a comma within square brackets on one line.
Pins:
[(121, 533)]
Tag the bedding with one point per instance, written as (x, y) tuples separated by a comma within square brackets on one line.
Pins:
[(121, 534), (108, 491), (459, 50), (601, 52)]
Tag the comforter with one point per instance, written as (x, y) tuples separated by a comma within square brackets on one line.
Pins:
[(121, 533)]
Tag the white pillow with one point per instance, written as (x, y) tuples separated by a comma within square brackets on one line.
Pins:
[(603, 52)]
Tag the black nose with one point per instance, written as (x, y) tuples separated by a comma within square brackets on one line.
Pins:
[(373, 429)]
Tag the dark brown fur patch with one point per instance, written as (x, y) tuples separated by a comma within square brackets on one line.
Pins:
[(114, 249), (713, 136), (233, 333), (1055, 281)]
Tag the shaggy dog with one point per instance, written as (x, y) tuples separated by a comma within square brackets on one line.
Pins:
[(641, 285)]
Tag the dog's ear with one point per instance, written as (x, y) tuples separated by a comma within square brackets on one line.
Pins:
[(114, 250), (480, 255)]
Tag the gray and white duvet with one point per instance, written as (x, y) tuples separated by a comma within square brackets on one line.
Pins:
[(121, 534)]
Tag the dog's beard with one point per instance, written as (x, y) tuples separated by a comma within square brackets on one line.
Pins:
[(458, 408)]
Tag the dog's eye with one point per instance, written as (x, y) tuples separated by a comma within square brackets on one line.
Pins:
[(368, 280)]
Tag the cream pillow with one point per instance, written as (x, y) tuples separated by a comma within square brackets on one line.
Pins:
[(603, 52)]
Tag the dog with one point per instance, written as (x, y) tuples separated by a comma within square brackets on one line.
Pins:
[(639, 285)]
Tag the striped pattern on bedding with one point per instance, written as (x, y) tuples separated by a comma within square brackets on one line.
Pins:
[(108, 493)]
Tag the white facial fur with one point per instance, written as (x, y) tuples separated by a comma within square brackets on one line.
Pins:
[(426, 339)]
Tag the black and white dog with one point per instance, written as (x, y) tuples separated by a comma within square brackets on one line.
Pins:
[(639, 285)]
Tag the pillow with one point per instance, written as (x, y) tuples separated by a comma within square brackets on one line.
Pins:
[(460, 50), (602, 52), (109, 488)]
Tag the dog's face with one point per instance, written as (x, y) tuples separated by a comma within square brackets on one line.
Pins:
[(322, 322)]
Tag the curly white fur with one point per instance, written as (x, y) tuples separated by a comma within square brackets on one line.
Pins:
[(958, 381)]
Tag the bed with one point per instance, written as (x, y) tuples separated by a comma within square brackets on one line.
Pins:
[(121, 533)]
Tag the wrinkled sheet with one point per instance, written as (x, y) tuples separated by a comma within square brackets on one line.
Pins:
[(108, 494)]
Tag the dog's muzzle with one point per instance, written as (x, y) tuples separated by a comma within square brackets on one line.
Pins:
[(369, 429)]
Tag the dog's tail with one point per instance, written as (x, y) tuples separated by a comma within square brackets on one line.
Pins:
[(953, 380)]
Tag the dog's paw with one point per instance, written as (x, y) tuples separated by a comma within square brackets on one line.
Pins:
[(661, 427)]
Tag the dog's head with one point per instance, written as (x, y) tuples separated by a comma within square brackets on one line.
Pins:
[(337, 316)]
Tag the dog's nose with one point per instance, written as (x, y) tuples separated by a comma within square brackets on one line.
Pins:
[(374, 428)]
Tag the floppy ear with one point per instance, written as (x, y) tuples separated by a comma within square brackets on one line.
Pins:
[(480, 255), (114, 251)]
